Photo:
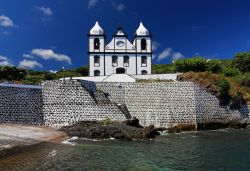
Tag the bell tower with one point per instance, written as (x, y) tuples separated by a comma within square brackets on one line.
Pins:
[(143, 44), (96, 51)]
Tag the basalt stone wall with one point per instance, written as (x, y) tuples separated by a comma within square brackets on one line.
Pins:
[(116, 91), (65, 102), (169, 103), (21, 104), (68, 101), (209, 110)]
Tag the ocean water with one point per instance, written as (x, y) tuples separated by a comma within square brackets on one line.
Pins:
[(220, 150)]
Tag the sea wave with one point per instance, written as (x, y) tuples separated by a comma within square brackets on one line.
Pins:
[(69, 141)]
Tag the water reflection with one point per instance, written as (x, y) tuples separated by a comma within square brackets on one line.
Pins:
[(208, 150)]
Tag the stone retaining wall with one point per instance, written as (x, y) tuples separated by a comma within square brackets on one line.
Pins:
[(21, 104), (66, 102), (169, 103)]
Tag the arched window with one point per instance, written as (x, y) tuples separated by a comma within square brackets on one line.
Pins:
[(96, 43), (143, 44), (97, 73), (114, 60), (143, 61), (126, 61), (144, 72)]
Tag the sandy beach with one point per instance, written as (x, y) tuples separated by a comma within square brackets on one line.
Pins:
[(16, 135)]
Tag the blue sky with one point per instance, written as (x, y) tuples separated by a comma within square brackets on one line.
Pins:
[(50, 34)]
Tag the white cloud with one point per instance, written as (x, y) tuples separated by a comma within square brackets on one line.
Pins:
[(154, 56), (50, 54), (28, 56), (155, 45), (4, 61), (92, 3), (164, 54), (176, 56), (46, 11), (6, 21), (53, 71), (29, 64), (118, 6), (168, 53)]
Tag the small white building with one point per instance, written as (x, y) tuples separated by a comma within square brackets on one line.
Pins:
[(120, 56)]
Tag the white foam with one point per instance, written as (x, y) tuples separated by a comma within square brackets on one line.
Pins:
[(68, 141), (52, 154)]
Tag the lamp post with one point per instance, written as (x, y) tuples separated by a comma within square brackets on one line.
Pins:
[(63, 73)]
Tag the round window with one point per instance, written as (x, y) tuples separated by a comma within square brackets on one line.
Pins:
[(120, 43)]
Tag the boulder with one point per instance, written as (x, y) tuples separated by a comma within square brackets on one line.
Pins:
[(248, 127), (133, 122), (243, 123), (248, 121), (127, 130), (235, 123), (150, 131)]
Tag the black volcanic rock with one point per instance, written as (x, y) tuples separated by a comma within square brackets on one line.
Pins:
[(235, 123), (122, 130), (240, 123)]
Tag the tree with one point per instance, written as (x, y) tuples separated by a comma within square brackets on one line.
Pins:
[(67, 73), (196, 64), (84, 71), (223, 88), (231, 72), (214, 66), (242, 61), (11, 73)]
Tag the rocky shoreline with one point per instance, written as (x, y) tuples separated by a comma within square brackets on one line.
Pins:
[(131, 129), (240, 124), (123, 130)]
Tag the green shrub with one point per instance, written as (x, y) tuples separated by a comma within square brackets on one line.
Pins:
[(196, 64), (242, 61), (107, 121), (223, 87), (12, 73), (244, 79), (230, 72), (214, 66), (163, 68)]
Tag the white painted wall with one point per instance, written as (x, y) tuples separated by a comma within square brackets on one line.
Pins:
[(110, 69), (94, 79), (141, 67), (92, 66), (137, 44), (156, 76), (112, 46), (126, 78), (91, 44), (129, 49)]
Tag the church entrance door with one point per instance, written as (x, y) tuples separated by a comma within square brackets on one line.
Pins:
[(120, 70)]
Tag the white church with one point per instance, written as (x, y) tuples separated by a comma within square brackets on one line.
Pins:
[(120, 60), (120, 56)]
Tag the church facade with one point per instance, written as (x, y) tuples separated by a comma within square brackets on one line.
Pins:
[(119, 56)]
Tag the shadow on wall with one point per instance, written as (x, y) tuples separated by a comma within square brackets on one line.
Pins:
[(236, 102), (123, 108)]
